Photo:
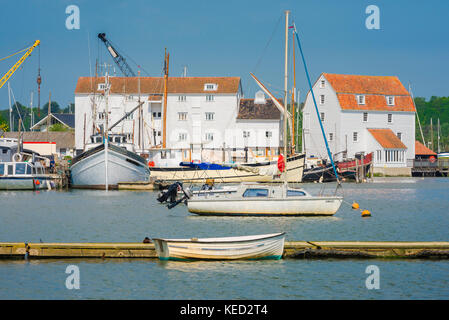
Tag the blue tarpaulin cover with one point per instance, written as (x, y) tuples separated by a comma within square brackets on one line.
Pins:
[(204, 166)]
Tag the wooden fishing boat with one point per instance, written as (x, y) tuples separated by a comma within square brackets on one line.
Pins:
[(266, 246), (87, 170), (266, 171)]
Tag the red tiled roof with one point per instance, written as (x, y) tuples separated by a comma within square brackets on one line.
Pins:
[(387, 139), (375, 103), (375, 89), (384, 85), (422, 150), (130, 85)]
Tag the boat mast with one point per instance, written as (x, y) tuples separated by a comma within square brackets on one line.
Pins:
[(438, 132), (164, 135), (294, 139), (10, 108), (106, 129), (431, 134), (287, 12), (416, 112)]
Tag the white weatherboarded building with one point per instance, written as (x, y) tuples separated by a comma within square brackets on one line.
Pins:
[(202, 117), (362, 114)]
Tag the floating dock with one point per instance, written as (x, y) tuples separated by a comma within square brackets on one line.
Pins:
[(292, 250)]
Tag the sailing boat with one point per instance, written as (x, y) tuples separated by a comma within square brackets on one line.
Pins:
[(108, 159), (261, 199)]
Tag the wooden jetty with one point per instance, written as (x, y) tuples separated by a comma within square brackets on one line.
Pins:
[(292, 250)]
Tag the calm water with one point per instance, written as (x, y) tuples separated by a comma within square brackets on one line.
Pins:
[(403, 209)]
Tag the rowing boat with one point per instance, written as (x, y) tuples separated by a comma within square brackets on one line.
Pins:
[(266, 246)]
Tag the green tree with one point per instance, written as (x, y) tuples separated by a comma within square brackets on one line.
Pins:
[(58, 127)]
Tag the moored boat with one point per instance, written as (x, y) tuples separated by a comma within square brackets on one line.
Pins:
[(266, 171), (23, 176), (88, 169), (256, 199), (266, 246)]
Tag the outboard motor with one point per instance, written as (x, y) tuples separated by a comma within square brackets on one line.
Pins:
[(171, 193), (170, 196)]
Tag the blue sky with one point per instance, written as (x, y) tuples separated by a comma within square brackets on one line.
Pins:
[(226, 38)]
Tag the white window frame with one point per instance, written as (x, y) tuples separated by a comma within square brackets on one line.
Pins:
[(322, 99), (361, 99), (322, 83), (322, 117), (210, 98), (182, 116), (389, 118), (182, 136), (209, 116), (209, 136), (399, 135), (101, 87), (331, 136), (246, 134), (182, 98), (388, 100), (268, 134), (210, 87), (365, 113), (355, 136)]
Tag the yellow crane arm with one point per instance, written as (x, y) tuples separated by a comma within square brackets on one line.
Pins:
[(18, 63)]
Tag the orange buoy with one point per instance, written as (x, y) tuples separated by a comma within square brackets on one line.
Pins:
[(37, 182), (366, 213), (355, 206)]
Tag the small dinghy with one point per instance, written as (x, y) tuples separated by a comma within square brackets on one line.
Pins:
[(266, 246)]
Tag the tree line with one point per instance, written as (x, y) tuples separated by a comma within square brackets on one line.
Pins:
[(435, 108), (21, 111)]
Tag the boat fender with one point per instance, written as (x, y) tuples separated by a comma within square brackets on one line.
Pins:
[(355, 206), (17, 157)]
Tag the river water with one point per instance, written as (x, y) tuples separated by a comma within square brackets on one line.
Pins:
[(403, 209)]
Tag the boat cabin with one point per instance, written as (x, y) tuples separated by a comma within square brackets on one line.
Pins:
[(253, 191), (116, 139), (21, 168)]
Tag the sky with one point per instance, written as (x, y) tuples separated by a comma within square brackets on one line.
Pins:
[(225, 38)]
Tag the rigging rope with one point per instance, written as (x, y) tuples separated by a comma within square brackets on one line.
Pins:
[(314, 101), (11, 55)]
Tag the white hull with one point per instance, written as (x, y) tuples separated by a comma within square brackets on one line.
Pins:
[(89, 171), (264, 199), (268, 172), (326, 206), (269, 246)]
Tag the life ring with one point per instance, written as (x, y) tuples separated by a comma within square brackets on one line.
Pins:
[(17, 157), (432, 159)]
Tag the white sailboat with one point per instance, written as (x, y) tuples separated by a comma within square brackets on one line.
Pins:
[(261, 199), (254, 199), (107, 160), (266, 246)]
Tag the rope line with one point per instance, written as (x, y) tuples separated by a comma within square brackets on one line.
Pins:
[(11, 55)]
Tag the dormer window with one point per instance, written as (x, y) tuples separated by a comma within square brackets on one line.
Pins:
[(210, 87), (101, 86), (390, 100), (360, 99)]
